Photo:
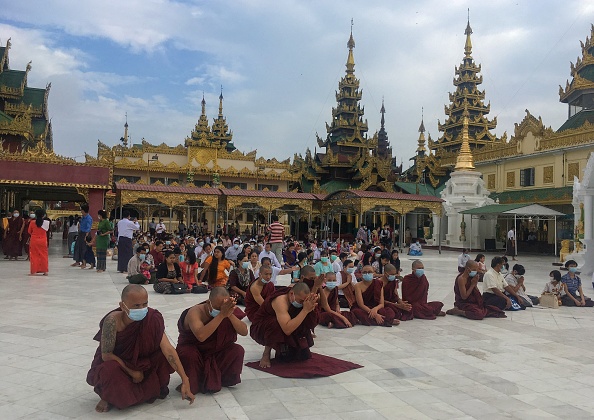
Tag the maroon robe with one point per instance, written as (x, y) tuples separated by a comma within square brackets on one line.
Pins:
[(251, 306), (327, 317), (371, 298), (139, 348), (474, 306), (14, 244), (266, 330), (414, 291), (214, 363), (391, 299)]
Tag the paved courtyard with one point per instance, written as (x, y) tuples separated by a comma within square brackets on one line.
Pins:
[(537, 363)]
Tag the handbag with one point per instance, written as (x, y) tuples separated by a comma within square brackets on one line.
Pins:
[(549, 300), (178, 288), (199, 289), (515, 306)]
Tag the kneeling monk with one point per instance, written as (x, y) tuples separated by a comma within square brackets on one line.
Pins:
[(135, 358), (402, 309), (258, 291), (284, 323), (206, 344), (331, 316), (369, 306), (469, 301), (415, 289)]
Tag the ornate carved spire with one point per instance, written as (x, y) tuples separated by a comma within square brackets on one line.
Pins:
[(467, 95), (465, 162), (221, 102), (421, 141), (350, 64), (220, 129), (383, 145), (382, 111)]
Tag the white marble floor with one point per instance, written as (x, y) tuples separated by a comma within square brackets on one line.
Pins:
[(537, 363)]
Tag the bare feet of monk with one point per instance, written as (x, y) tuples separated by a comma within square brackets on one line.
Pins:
[(330, 325), (442, 313), (396, 322), (265, 360), (455, 311), (102, 407)]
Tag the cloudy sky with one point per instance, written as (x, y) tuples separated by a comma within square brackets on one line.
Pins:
[(280, 61)]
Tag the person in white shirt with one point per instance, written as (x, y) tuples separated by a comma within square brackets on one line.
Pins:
[(126, 229), (338, 263), (271, 255), (347, 284), (276, 271), (511, 244), (462, 260), (160, 229), (495, 286)]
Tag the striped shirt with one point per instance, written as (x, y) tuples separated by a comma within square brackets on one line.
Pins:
[(277, 231), (572, 283)]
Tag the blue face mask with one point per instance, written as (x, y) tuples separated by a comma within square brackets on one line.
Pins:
[(235, 246), (391, 277), (181, 258), (264, 281), (419, 272), (137, 314), (213, 312), (324, 259), (333, 258), (573, 269), (331, 284), (367, 276), (472, 273), (245, 265), (167, 242), (350, 270), (142, 257), (296, 304)]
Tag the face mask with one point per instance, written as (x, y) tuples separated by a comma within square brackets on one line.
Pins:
[(167, 242), (201, 243), (573, 269), (32, 216), (331, 284), (137, 314), (472, 273), (213, 312), (235, 246), (15, 214), (391, 277), (324, 259), (378, 255), (264, 281), (245, 265), (297, 304), (419, 272), (142, 257), (350, 270), (181, 258), (333, 258), (367, 276)]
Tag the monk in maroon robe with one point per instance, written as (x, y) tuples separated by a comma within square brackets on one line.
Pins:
[(402, 309), (330, 314), (469, 301), (284, 323), (415, 289), (13, 236), (206, 344), (369, 308), (135, 358), (258, 291)]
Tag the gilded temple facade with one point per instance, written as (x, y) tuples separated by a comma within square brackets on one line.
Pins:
[(24, 121)]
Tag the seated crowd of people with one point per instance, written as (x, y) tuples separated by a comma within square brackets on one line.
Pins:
[(334, 285)]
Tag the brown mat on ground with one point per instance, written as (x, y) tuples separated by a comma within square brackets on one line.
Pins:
[(318, 366)]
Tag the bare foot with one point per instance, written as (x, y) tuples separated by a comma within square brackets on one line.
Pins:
[(442, 313), (396, 322), (330, 325), (265, 360), (456, 311), (102, 407)]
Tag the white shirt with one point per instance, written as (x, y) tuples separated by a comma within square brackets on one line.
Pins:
[(272, 257), (463, 259), (337, 265), (493, 280), (160, 228), (126, 228), (415, 247), (339, 281), (275, 271), (511, 234)]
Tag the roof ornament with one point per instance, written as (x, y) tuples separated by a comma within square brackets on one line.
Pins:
[(465, 161), (468, 32)]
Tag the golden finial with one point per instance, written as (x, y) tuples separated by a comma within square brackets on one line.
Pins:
[(465, 162), (421, 148), (350, 65), (468, 32), (203, 105), (221, 102)]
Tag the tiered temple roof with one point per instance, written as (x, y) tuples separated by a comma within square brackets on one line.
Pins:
[(217, 136), (24, 120), (467, 95), (579, 94), (351, 158)]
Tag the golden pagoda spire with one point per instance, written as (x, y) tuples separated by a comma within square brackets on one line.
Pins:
[(124, 139), (350, 64), (468, 32), (421, 141), (465, 162), (221, 102), (203, 105)]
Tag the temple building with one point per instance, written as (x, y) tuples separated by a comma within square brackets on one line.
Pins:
[(351, 159), (24, 121)]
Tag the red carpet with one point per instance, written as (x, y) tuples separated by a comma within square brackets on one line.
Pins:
[(319, 365)]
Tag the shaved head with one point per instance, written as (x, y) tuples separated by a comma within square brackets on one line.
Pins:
[(307, 270), (301, 288), (471, 265), (218, 292), (389, 269), (132, 289), (417, 264)]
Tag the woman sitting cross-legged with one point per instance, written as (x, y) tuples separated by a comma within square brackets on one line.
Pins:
[(168, 274), (575, 295)]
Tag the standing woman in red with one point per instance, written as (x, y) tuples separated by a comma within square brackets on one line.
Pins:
[(38, 244)]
